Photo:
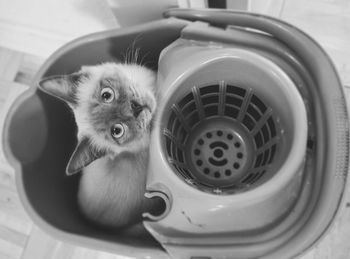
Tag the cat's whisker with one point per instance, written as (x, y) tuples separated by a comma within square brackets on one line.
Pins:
[(133, 52), (129, 52), (136, 55), (124, 58), (142, 59)]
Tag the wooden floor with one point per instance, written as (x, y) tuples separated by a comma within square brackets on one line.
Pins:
[(20, 238)]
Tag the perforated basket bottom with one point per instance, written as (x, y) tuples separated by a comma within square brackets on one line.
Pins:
[(222, 138), (220, 152)]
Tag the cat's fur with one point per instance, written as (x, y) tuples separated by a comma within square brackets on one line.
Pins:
[(112, 186)]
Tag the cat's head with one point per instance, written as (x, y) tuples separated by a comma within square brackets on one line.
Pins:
[(113, 106)]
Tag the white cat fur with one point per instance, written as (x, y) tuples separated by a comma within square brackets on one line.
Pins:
[(111, 189)]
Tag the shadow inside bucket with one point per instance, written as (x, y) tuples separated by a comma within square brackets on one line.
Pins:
[(42, 130), (49, 124)]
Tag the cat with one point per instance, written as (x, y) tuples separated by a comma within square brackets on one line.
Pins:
[(113, 106)]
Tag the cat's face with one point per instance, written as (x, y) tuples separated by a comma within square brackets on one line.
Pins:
[(113, 106)]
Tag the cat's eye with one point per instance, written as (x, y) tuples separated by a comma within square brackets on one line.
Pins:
[(117, 130), (107, 94)]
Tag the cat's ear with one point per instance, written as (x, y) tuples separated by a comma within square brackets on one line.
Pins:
[(83, 155), (63, 86)]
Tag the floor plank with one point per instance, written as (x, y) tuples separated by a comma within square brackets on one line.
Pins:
[(41, 245), (40, 27), (10, 62), (10, 250), (29, 67), (327, 21)]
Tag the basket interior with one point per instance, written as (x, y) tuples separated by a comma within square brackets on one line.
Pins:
[(222, 138)]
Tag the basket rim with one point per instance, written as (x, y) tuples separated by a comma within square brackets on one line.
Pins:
[(294, 160)]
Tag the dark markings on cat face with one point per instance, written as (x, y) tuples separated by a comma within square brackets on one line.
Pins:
[(83, 155), (63, 86), (119, 111)]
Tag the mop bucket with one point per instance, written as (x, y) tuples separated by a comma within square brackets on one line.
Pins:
[(249, 148)]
